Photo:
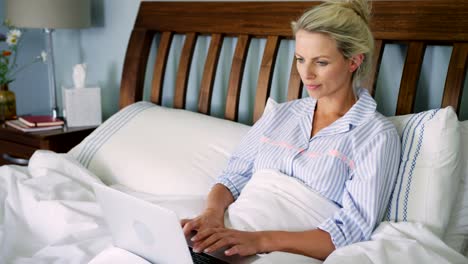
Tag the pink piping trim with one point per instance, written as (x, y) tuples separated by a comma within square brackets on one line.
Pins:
[(333, 152)]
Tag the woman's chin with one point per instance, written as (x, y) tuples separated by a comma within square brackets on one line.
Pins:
[(314, 94)]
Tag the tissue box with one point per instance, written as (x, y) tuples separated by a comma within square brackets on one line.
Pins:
[(82, 106)]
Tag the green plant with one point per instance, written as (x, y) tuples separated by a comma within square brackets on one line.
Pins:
[(9, 67)]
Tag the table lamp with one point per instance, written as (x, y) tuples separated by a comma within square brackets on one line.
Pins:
[(49, 15)]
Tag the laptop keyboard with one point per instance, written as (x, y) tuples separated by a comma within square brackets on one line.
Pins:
[(202, 258)]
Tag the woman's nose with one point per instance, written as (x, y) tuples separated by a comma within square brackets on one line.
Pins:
[(310, 72)]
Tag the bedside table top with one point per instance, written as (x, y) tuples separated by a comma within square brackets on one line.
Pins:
[(45, 133)]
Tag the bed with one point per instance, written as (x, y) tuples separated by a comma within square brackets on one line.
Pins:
[(170, 153)]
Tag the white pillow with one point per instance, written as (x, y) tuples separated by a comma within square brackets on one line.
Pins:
[(428, 177), (158, 150), (456, 235)]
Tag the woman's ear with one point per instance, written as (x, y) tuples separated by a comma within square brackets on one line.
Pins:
[(355, 62)]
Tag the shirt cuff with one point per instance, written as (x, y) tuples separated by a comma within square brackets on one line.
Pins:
[(336, 234), (228, 183)]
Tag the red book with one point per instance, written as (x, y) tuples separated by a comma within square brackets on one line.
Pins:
[(20, 126), (40, 121)]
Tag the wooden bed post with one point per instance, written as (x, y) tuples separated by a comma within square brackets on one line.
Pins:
[(133, 75)]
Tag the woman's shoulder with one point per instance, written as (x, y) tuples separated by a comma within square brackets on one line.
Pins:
[(377, 128), (378, 124)]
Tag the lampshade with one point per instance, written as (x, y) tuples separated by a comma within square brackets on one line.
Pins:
[(49, 13)]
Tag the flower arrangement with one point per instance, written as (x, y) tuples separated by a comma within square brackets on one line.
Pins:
[(8, 65)]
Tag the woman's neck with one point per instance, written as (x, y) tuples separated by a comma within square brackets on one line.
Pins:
[(337, 106)]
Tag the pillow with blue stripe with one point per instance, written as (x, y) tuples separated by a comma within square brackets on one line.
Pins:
[(158, 150), (429, 173)]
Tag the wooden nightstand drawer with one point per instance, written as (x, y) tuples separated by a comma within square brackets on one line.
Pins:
[(16, 147), (14, 153)]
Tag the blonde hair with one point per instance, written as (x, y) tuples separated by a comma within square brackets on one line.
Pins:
[(346, 21)]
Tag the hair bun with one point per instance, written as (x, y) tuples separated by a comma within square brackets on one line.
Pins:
[(361, 7)]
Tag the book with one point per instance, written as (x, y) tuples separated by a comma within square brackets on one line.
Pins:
[(20, 126), (40, 121)]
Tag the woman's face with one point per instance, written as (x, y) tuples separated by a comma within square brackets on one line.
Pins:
[(325, 72)]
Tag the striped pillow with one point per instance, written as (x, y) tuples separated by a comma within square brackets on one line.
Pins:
[(159, 150), (428, 177)]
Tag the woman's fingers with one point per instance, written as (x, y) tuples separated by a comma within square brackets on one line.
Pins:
[(190, 225), (207, 238), (184, 221), (213, 239), (222, 242), (241, 250), (202, 222), (205, 233), (233, 251)]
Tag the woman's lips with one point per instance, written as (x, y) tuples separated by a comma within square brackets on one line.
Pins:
[(312, 87)]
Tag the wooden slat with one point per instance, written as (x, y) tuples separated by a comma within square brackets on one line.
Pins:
[(409, 80), (456, 75), (370, 83), (206, 88), (267, 67), (184, 70), (295, 83), (160, 67), (136, 58), (235, 77)]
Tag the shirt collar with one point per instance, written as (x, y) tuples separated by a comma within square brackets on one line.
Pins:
[(362, 110), (305, 106)]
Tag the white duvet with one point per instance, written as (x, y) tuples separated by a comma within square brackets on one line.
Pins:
[(49, 215)]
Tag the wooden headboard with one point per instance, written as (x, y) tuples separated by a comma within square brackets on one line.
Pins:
[(416, 23)]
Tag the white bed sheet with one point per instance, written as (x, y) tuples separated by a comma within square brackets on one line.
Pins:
[(49, 215)]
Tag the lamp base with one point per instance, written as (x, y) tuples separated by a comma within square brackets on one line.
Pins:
[(51, 71), (55, 112)]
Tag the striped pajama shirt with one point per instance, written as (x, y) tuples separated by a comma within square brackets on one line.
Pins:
[(352, 162)]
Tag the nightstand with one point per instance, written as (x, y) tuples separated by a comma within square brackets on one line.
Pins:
[(16, 147)]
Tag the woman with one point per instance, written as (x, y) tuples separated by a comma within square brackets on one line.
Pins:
[(333, 53)]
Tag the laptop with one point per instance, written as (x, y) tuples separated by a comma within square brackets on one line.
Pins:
[(150, 231)]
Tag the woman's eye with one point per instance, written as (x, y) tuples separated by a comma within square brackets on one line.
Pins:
[(322, 63), (300, 60)]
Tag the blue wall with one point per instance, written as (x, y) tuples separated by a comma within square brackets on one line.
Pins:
[(31, 86), (103, 47)]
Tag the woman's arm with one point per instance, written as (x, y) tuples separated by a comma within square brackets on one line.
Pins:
[(368, 190), (231, 181), (219, 198), (314, 243)]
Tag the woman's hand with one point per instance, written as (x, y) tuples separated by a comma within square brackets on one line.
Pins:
[(237, 242), (219, 198), (210, 218)]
